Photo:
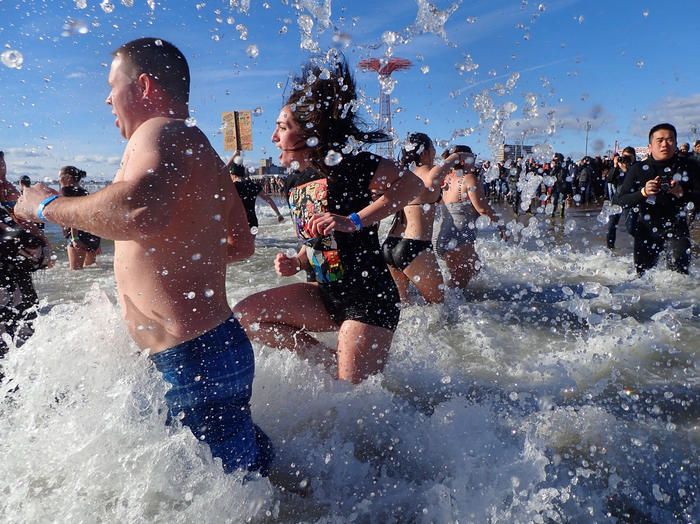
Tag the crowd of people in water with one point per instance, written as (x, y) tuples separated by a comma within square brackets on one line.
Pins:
[(337, 194)]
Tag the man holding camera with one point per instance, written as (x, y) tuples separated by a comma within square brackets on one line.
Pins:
[(664, 188)]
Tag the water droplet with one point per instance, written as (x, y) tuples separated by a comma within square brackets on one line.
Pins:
[(640, 64), (252, 51), (389, 37), (164, 272), (188, 152), (197, 378), (513, 396), (333, 158), (312, 141), (188, 496), (197, 256), (290, 253), (74, 27), (217, 217), (471, 19), (446, 379), (425, 69), (208, 293), (365, 274), (128, 3), (645, 167), (190, 121), (645, 13), (107, 6), (426, 207), (258, 111), (416, 278), (12, 59), (255, 326), (294, 165), (253, 230), (159, 43), (81, 4), (190, 295), (325, 74)]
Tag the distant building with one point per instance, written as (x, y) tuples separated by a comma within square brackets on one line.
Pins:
[(512, 151)]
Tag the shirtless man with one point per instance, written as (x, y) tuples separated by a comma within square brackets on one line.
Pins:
[(176, 220)]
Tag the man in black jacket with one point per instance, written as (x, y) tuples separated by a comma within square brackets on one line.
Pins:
[(663, 188)]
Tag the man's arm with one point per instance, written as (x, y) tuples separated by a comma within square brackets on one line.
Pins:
[(140, 204)]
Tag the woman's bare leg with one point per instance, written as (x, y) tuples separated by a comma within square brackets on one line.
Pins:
[(90, 258), (425, 274), (362, 350), (76, 257), (401, 282), (280, 317), (462, 263)]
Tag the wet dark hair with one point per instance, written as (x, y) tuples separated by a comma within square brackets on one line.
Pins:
[(74, 173), (456, 149), (2, 154), (419, 143), (238, 170), (25, 180), (161, 60), (667, 127), (324, 104)]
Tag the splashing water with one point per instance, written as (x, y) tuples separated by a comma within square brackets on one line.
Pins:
[(12, 59)]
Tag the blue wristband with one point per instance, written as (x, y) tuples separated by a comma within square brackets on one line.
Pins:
[(355, 219), (42, 206)]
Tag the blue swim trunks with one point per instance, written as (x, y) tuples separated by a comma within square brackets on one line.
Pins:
[(212, 377)]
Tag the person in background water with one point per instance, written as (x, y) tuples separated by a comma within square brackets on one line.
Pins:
[(24, 181), (463, 201), (621, 165), (23, 250), (408, 249), (249, 191), (663, 188), (8, 192), (82, 247), (165, 213), (337, 196)]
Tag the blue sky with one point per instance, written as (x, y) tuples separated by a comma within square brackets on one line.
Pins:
[(619, 65)]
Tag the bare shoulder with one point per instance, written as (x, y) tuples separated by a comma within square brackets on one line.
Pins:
[(386, 173), (167, 147)]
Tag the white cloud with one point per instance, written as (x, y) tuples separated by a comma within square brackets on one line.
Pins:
[(682, 112)]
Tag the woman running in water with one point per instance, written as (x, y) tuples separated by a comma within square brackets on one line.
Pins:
[(408, 249), (463, 201), (337, 196)]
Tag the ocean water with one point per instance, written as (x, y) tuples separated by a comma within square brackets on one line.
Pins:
[(561, 388)]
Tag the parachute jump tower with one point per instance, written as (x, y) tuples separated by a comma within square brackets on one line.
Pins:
[(384, 68)]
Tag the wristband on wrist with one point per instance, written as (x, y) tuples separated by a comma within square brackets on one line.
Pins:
[(355, 219), (42, 206)]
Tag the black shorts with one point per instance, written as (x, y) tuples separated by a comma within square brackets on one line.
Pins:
[(400, 252), (374, 301)]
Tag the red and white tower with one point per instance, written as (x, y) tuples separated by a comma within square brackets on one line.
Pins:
[(384, 67)]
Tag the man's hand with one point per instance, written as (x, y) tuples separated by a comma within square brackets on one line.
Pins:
[(287, 266), (28, 204), (676, 189), (652, 187)]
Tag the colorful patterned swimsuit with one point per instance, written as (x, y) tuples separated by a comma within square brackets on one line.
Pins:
[(354, 281)]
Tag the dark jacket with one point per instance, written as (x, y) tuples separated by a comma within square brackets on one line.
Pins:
[(667, 211)]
